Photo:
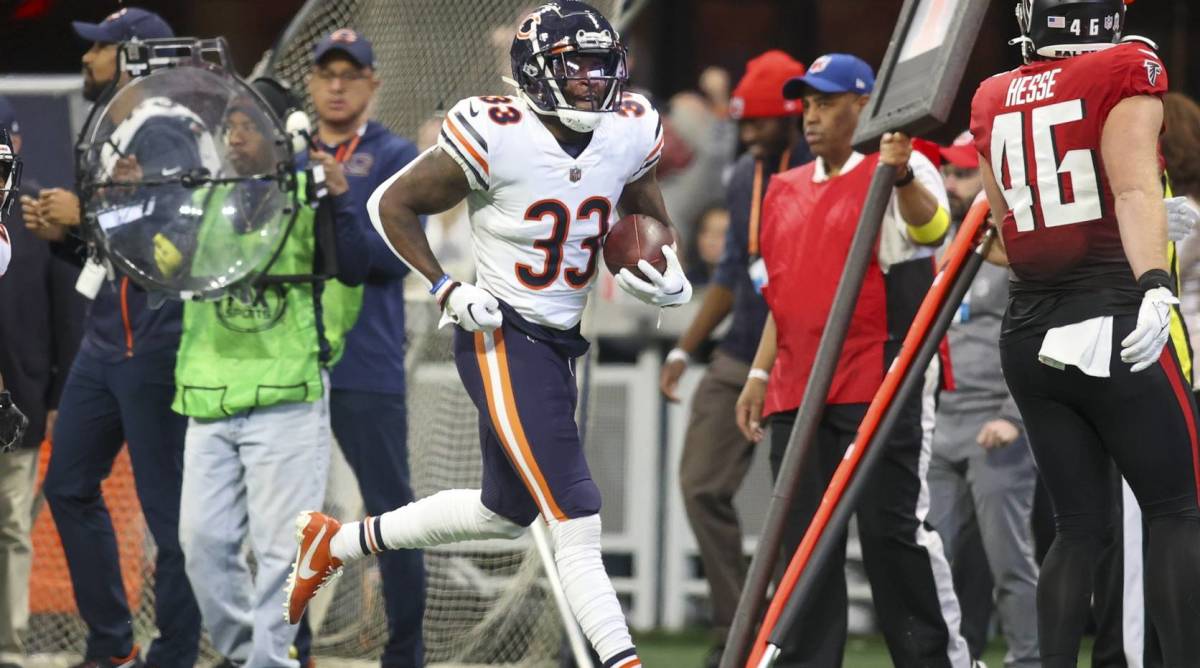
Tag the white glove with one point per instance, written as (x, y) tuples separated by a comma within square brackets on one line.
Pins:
[(1144, 345), (469, 307), (670, 288), (1181, 218)]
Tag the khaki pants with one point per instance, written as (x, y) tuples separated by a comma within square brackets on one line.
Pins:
[(18, 476), (715, 459)]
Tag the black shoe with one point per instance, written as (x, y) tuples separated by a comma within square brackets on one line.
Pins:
[(134, 660), (10, 665)]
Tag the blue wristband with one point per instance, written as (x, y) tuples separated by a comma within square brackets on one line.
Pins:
[(437, 285)]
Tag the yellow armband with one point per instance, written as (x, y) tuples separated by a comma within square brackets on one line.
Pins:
[(932, 231)]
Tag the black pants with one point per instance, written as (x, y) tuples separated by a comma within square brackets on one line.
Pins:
[(910, 579), (1077, 424), (103, 405), (1125, 636)]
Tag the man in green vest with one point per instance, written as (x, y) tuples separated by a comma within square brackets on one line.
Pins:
[(252, 379)]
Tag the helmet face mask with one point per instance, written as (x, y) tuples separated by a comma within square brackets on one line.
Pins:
[(10, 175), (1065, 28), (568, 62)]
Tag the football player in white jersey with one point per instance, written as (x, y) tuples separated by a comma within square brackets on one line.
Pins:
[(542, 173)]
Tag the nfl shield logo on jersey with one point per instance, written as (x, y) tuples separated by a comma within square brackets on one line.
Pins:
[(575, 174)]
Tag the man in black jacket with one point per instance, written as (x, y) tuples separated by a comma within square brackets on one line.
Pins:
[(40, 314), (119, 391)]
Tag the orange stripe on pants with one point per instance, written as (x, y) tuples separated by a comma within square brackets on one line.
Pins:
[(502, 398)]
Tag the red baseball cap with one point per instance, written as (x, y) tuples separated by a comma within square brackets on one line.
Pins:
[(760, 92), (962, 152)]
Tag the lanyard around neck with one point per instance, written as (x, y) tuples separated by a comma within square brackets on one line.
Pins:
[(756, 195)]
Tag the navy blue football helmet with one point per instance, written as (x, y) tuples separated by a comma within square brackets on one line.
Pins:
[(1064, 28), (564, 42), (10, 174)]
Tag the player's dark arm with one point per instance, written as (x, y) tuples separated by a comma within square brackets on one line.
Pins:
[(1129, 148), (431, 184), (644, 196), (384, 265)]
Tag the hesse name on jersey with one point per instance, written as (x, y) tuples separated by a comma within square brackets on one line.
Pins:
[(1027, 90), (538, 216), (1039, 126)]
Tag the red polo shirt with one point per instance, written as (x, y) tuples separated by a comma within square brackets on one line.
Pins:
[(807, 229)]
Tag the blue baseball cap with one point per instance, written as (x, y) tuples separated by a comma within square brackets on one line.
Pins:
[(833, 73), (8, 117), (124, 25), (347, 41)]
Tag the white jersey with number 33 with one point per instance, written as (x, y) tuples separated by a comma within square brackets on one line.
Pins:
[(538, 215)]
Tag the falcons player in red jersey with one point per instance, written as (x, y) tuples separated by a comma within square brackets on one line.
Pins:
[(1068, 148)]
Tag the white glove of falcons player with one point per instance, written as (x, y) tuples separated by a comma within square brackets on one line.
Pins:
[(670, 288), (1144, 345), (1181, 218), (469, 307)]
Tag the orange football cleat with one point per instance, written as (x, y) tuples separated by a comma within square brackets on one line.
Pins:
[(314, 565)]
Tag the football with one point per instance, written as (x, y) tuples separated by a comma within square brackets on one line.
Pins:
[(637, 237)]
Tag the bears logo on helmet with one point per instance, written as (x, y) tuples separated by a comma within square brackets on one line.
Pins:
[(529, 26), (559, 45)]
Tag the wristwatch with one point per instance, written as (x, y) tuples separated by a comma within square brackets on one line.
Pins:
[(907, 178)]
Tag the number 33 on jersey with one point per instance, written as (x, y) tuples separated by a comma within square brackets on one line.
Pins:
[(1040, 126), (538, 215)]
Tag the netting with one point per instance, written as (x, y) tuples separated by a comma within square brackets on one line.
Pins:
[(429, 53), (55, 626), (487, 603)]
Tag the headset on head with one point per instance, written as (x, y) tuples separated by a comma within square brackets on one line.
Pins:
[(284, 102)]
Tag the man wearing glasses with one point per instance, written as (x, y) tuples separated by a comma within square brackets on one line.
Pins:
[(367, 403)]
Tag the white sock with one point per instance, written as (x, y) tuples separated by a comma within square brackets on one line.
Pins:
[(589, 591), (449, 516)]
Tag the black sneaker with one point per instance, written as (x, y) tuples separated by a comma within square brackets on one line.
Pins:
[(134, 660)]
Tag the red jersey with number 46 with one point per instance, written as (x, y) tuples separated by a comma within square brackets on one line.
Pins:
[(1039, 127)]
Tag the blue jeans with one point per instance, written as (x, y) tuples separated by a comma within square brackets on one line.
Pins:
[(105, 404), (246, 479)]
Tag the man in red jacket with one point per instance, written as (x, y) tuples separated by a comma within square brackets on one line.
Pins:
[(716, 456), (809, 217)]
